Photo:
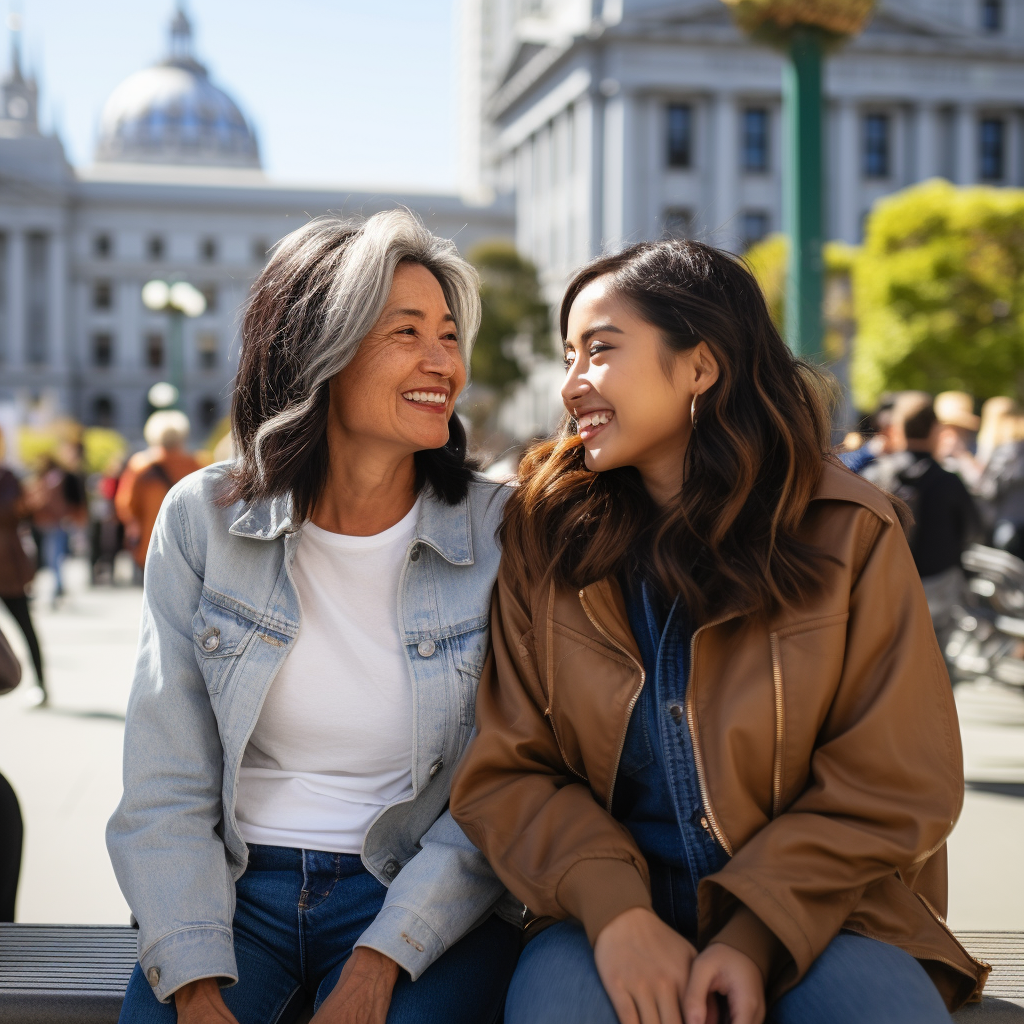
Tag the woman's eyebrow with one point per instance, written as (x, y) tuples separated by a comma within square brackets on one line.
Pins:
[(418, 313), (600, 329)]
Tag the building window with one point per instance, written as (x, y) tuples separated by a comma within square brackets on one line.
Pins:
[(260, 251), (755, 225), (208, 250), (993, 149), (155, 248), (37, 320), (102, 246), (102, 295), (102, 349), (991, 15), (680, 135), (755, 140), (209, 291), (208, 410), (206, 349), (677, 222), (876, 146), (103, 411), (154, 350)]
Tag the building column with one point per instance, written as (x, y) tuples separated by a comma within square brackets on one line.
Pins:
[(927, 142), (726, 228), (965, 145), (16, 284), (619, 169), (846, 202)]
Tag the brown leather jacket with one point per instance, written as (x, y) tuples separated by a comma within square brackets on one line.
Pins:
[(826, 744)]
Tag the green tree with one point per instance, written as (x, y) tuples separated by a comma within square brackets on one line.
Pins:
[(513, 312), (939, 293)]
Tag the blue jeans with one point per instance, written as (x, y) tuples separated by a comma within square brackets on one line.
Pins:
[(55, 550), (855, 981), (297, 916)]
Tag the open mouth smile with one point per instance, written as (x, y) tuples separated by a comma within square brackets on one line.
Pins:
[(428, 401), (590, 424)]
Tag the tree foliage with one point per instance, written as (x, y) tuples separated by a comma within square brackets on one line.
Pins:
[(514, 314), (939, 293)]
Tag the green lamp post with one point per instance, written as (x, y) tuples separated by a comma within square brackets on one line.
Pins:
[(804, 30), (178, 299)]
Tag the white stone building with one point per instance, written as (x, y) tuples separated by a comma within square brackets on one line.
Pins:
[(176, 191), (613, 121)]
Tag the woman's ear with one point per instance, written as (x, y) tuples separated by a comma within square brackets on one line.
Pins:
[(705, 368)]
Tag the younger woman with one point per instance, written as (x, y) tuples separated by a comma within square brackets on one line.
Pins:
[(717, 749)]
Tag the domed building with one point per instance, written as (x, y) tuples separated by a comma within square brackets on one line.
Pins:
[(173, 114), (176, 192)]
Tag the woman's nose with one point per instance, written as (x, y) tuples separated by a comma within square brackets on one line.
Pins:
[(440, 360), (574, 388)]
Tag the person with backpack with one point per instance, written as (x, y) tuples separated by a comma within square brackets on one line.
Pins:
[(149, 475), (945, 519)]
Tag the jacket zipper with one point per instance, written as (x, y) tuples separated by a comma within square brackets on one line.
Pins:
[(629, 707), (551, 722), (691, 723), (779, 722)]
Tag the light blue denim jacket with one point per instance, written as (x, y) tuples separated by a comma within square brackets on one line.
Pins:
[(219, 618)]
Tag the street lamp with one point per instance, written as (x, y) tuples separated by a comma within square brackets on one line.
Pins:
[(178, 299), (803, 29)]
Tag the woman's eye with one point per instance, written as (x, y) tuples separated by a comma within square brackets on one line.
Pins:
[(568, 359), (596, 348)]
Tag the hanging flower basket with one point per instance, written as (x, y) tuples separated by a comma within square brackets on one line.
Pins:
[(837, 17)]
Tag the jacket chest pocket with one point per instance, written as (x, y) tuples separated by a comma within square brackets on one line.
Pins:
[(807, 663), (469, 652), (219, 637)]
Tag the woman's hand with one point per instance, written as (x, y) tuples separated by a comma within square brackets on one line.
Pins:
[(200, 1002), (363, 992), (645, 967), (723, 971)]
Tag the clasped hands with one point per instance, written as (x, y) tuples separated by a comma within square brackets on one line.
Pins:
[(362, 995), (654, 976)]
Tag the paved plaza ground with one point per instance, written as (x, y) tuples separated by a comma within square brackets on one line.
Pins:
[(65, 764)]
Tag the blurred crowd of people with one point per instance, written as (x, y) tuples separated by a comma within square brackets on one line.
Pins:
[(960, 476), (57, 509)]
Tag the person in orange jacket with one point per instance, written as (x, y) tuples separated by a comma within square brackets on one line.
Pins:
[(149, 475)]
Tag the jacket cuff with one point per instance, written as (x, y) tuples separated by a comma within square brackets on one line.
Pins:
[(188, 955), (746, 932), (596, 891), (404, 937)]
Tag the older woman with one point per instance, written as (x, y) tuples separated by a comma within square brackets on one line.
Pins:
[(315, 624)]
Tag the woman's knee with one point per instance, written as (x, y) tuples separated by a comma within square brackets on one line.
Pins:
[(858, 980), (556, 981)]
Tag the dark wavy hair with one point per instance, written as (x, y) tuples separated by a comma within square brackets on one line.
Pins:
[(761, 434), (321, 292)]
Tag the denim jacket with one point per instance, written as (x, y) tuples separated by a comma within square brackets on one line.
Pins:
[(219, 618)]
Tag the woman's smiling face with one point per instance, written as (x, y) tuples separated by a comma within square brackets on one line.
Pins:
[(628, 391)]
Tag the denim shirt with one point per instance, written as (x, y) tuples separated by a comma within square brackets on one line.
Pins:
[(219, 617), (657, 796)]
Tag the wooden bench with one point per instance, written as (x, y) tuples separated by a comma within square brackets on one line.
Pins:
[(77, 974)]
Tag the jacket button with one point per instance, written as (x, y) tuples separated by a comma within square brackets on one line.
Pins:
[(676, 712), (391, 869), (436, 767), (153, 976), (426, 648), (414, 555), (212, 641)]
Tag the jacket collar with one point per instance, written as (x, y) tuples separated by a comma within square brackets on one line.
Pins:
[(445, 528)]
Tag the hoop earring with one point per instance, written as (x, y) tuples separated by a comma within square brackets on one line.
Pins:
[(693, 413)]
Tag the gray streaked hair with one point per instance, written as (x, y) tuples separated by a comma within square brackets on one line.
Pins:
[(320, 294)]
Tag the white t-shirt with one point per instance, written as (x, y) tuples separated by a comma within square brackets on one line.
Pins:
[(333, 743)]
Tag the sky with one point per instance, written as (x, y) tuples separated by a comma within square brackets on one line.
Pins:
[(349, 92)]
